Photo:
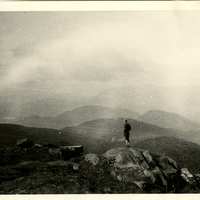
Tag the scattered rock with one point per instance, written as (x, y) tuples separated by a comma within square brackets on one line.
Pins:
[(49, 169), (55, 153), (107, 190), (37, 145), (140, 184), (92, 158), (120, 178), (187, 176), (76, 167), (197, 177)]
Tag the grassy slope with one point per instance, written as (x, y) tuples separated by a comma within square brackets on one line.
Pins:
[(98, 140), (10, 133)]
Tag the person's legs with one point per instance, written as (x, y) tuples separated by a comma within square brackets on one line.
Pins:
[(127, 139), (128, 142)]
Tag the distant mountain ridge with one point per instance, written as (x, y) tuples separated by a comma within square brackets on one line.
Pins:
[(142, 98), (169, 120), (75, 117), (19, 102), (91, 112)]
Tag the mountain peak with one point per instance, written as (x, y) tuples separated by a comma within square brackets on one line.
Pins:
[(168, 120), (91, 112)]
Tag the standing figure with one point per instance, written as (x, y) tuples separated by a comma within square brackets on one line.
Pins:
[(127, 128)]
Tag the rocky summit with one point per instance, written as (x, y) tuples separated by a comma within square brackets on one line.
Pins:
[(144, 169), (50, 169)]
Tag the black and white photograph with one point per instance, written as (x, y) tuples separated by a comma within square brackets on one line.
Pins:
[(103, 101)]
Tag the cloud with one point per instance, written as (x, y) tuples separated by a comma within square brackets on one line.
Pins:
[(94, 74), (21, 50), (81, 57), (105, 48)]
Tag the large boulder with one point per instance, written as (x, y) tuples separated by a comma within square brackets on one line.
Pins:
[(187, 176), (143, 168), (25, 143), (68, 152)]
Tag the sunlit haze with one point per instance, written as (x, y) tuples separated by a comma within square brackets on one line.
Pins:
[(89, 52)]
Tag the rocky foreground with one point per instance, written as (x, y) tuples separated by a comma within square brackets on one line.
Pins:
[(47, 169)]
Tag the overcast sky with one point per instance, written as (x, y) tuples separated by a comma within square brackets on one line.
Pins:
[(93, 51)]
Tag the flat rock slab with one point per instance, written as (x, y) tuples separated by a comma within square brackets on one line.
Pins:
[(68, 152), (25, 143), (77, 148)]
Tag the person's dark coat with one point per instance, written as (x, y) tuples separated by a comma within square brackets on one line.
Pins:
[(127, 128)]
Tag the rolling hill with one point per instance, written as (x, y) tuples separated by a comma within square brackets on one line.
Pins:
[(104, 130), (113, 127), (92, 134), (111, 130), (10, 133), (169, 120)]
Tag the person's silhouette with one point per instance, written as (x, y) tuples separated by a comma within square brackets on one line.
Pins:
[(127, 128)]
